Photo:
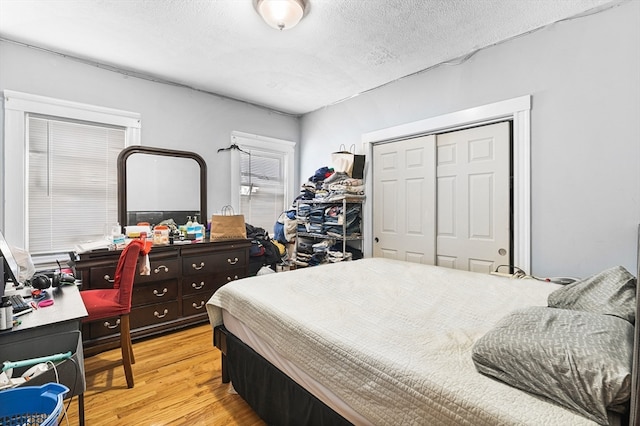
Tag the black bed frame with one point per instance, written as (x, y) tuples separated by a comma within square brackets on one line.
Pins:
[(275, 397), (278, 400)]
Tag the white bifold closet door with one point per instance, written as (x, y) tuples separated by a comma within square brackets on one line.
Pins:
[(445, 199)]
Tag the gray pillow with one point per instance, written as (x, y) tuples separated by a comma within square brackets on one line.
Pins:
[(579, 360), (611, 292)]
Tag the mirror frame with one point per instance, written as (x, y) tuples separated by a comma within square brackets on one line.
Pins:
[(138, 149)]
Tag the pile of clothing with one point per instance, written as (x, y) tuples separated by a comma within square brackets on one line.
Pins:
[(327, 185), (264, 251), (329, 220), (332, 222), (312, 253)]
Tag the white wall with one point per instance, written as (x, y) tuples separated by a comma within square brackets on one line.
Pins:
[(583, 75), (172, 117), (584, 78)]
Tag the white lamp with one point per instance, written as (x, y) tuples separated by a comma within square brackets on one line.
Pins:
[(281, 14)]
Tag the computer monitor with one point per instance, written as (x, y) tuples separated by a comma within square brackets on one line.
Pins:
[(11, 270)]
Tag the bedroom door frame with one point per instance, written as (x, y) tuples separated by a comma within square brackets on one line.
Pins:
[(516, 109)]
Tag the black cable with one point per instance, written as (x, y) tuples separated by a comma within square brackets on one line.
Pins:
[(517, 272), (73, 389)]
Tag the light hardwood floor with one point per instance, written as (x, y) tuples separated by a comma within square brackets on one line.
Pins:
[(177, 382)]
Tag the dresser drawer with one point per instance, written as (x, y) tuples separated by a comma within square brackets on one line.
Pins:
[(154, 314), (102, 276), (154, 292), (200, 284), (161, 269), (209, 263), (194, 305), (104, 327), (224, 277)]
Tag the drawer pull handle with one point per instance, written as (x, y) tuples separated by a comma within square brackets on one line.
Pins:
[(229, 279), (108, 279), (106, 324), (159, 315), (195, 305), (164, 291), (197, 286), (157, 270), (194, 266), (232, 262)]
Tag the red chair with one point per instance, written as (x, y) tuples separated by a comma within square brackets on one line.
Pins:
[(116, 301)]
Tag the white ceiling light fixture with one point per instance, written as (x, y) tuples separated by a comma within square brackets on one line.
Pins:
[(281, 14)]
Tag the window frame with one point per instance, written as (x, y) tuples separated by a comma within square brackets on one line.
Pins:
[(13, 190), (249, 141)]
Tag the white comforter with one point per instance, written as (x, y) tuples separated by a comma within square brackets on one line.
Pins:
[(393, 339)]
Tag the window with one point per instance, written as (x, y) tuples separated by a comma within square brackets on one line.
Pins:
[(72, 182), (262, 175), (59, 179)]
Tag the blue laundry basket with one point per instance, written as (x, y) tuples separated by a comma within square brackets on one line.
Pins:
[(32, 405)]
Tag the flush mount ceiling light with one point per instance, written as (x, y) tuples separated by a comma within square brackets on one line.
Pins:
[(281, 14)]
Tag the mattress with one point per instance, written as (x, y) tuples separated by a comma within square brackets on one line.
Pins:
[(391, 340)]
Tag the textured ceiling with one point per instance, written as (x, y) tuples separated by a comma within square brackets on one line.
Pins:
[(341, 47)]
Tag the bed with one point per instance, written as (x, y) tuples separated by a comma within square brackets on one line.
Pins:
[(378, 341)]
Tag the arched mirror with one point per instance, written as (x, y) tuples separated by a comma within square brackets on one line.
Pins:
[(156, 184)]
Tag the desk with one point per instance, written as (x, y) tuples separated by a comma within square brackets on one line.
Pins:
[(51, 330)]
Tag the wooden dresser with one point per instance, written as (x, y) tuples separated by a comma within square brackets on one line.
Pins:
[(183, 278)]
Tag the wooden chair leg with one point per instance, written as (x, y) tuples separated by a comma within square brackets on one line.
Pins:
[(127, 350), (131, 356)]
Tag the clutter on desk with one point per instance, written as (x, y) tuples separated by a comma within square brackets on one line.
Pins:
[(26, 267), (6, 314)]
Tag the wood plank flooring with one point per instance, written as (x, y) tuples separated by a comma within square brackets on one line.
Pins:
[(177, 382)]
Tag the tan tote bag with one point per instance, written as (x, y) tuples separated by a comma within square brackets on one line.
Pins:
[(227, 226), (348, 162)]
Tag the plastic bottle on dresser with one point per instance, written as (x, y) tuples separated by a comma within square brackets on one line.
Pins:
[(191, 234), (197, 230)]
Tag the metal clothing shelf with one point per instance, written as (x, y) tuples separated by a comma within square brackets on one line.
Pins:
[(328, 237), (344, 202)]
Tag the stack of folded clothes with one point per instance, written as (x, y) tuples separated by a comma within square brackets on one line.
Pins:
[(304, 252), (339, 186), (334, 256)]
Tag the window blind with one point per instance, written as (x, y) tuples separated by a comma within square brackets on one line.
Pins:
[(72, 182), (262, 187)]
